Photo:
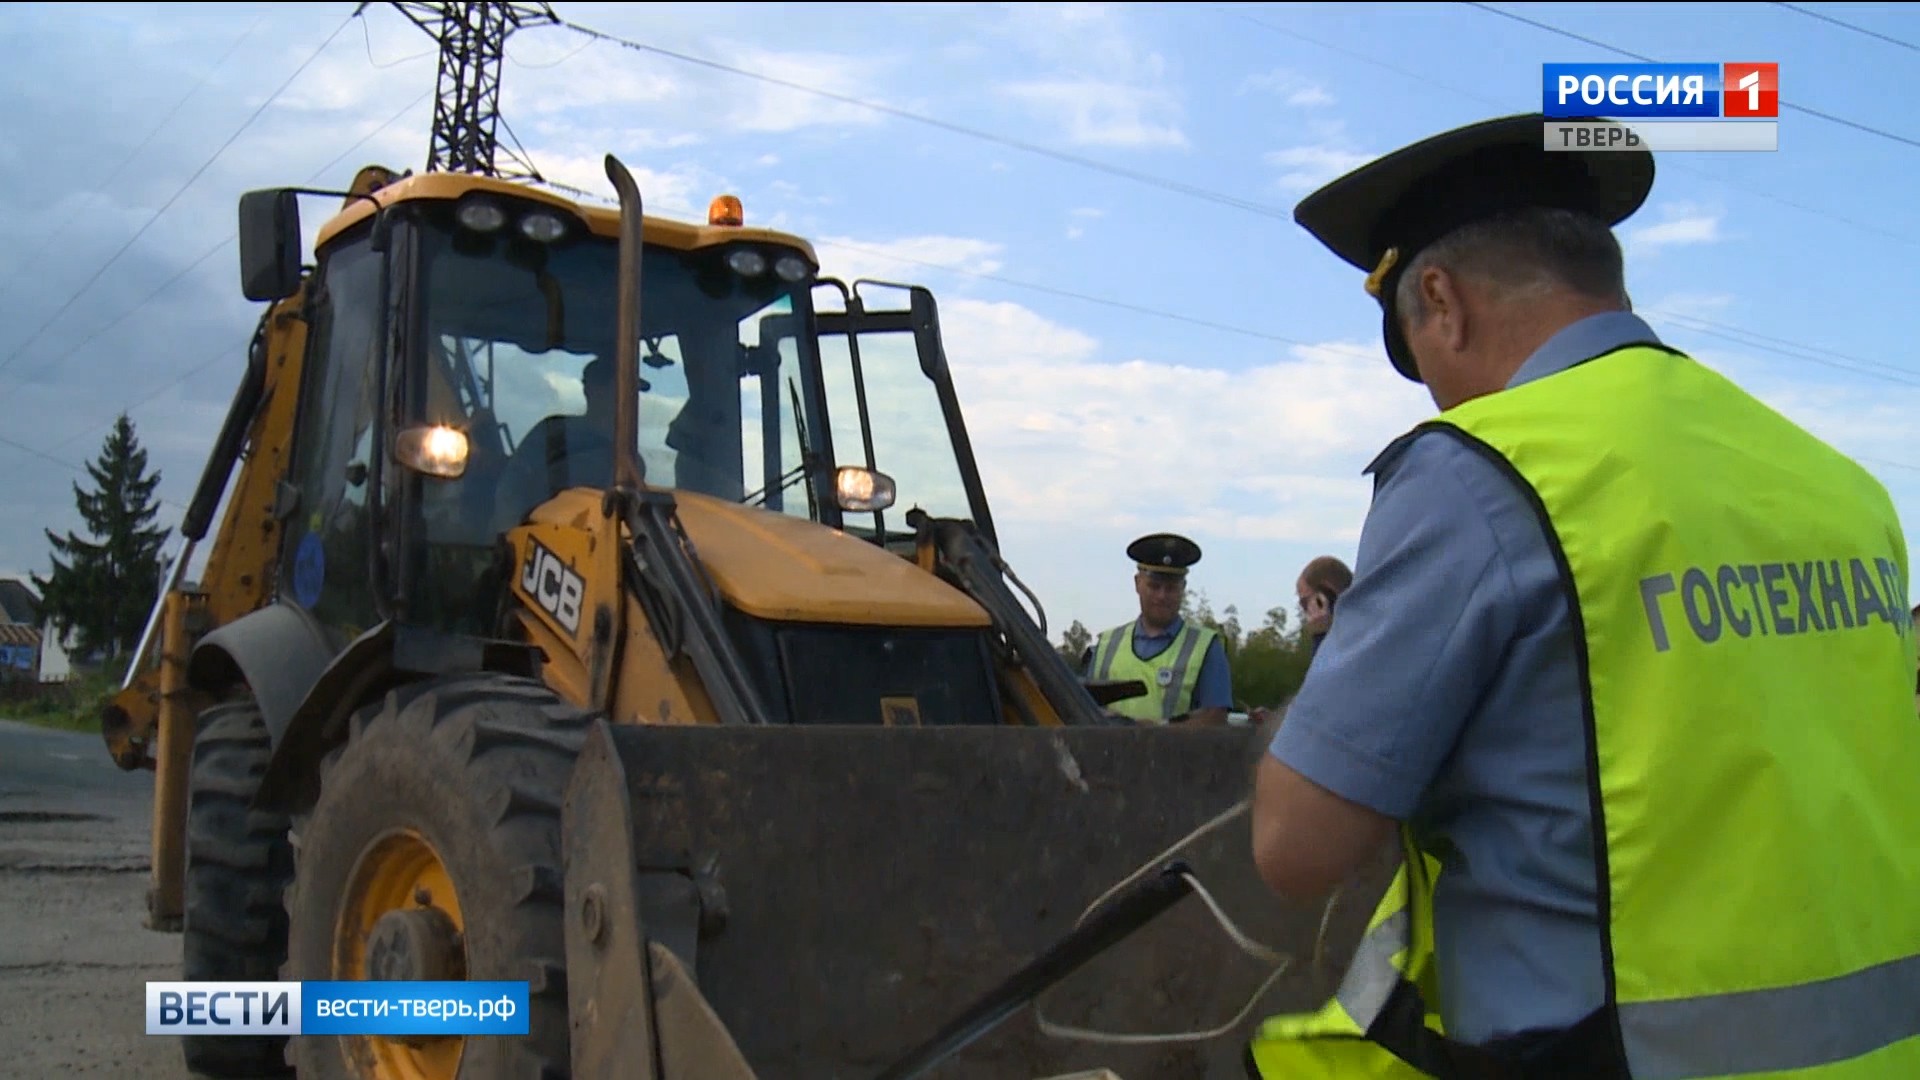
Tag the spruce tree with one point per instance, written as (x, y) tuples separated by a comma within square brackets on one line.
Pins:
[(102, 589)]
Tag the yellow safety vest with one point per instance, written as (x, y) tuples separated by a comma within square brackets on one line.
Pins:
[(1397, 947), (1746, 647), (1170, 676)]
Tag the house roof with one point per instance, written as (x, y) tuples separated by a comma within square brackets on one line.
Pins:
[(18, 604)]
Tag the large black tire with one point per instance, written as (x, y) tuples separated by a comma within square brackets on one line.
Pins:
[(239, 862), (477, 766)]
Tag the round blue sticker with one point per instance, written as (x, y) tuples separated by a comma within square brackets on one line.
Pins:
[(309, 570)]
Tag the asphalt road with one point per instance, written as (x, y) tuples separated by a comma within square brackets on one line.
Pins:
[(75, 956)]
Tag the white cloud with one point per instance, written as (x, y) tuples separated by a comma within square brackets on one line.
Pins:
[(1682, 224), (679, 191), (1079, 214), (1305, 167), (620, 140), (1273, 451), (1686, 305), (602, 77), (1097, 112), (1105, 86), (768, 108), (645, 101), (1290, 87), (848, 258)]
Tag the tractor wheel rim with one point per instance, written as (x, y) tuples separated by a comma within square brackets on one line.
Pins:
[(398, 874)]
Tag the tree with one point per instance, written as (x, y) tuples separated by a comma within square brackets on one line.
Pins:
[(1075, 643), (99, 597), (1268, 663), (1271, 663)]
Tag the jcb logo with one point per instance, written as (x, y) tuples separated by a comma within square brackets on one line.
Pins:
[(552, 585)]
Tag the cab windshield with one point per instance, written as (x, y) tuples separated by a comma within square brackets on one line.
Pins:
[(516, 347)]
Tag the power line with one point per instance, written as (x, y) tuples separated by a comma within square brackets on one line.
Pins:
[(1850, 26), (1089, 298), (77, 293), (221, 246), (1176, 186), (1892, 373), (1084, 297), (1859, 365), (1784, 103), (62, 462), (128, 313), (517, 62), (1896, 368), (390, 121), (367, 33), (1884, 461), (1035, 286), (216, 249), (1429, 82), (30, 260), (1124, 305), (1799, 352)]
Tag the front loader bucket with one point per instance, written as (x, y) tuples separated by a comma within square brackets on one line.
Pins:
[(840, 895)]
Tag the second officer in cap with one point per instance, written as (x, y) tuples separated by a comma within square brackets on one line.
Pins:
[(1184, 665), (1625, 662)]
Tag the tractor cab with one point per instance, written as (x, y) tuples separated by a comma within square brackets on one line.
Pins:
[(462, 372)]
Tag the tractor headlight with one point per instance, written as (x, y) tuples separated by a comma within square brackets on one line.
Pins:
[(792, 269), (543, 226), (747, 263), (862, 490), (482, 215), (435, 450)]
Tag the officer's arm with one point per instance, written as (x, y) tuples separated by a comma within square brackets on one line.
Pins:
[(1412, 647), (1213, 691)]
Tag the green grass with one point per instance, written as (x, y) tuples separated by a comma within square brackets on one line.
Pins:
[(70, 706)]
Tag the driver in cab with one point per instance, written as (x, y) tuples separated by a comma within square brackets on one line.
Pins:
[(564, 451)]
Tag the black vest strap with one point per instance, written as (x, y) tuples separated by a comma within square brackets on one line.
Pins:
[(1585, 1051)]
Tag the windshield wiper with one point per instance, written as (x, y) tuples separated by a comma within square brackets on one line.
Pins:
[(799, 472)]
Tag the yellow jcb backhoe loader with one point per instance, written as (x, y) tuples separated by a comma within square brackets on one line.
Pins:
[(561, 626)]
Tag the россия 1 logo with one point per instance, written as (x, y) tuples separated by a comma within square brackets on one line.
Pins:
[(1723, 106)]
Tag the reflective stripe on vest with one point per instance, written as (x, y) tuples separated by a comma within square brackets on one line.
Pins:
[(1397, 947), (1745, 648), (1181, 660)]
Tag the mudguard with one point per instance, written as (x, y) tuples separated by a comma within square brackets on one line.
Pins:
[(384, 657), (843, 894), (279, 652)]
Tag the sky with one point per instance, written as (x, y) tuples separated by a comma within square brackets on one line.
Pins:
[(1100, 196)]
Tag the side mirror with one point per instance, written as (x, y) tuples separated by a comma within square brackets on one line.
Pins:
[(269, 244), (925, 318)]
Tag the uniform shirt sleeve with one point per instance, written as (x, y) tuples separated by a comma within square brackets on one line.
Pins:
[(1214, 690), (1415, 640)]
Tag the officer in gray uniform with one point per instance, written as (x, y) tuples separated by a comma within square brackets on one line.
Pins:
[(1447, 692)]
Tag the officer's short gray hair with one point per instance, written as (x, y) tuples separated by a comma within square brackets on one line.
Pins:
[(1523, 253)]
